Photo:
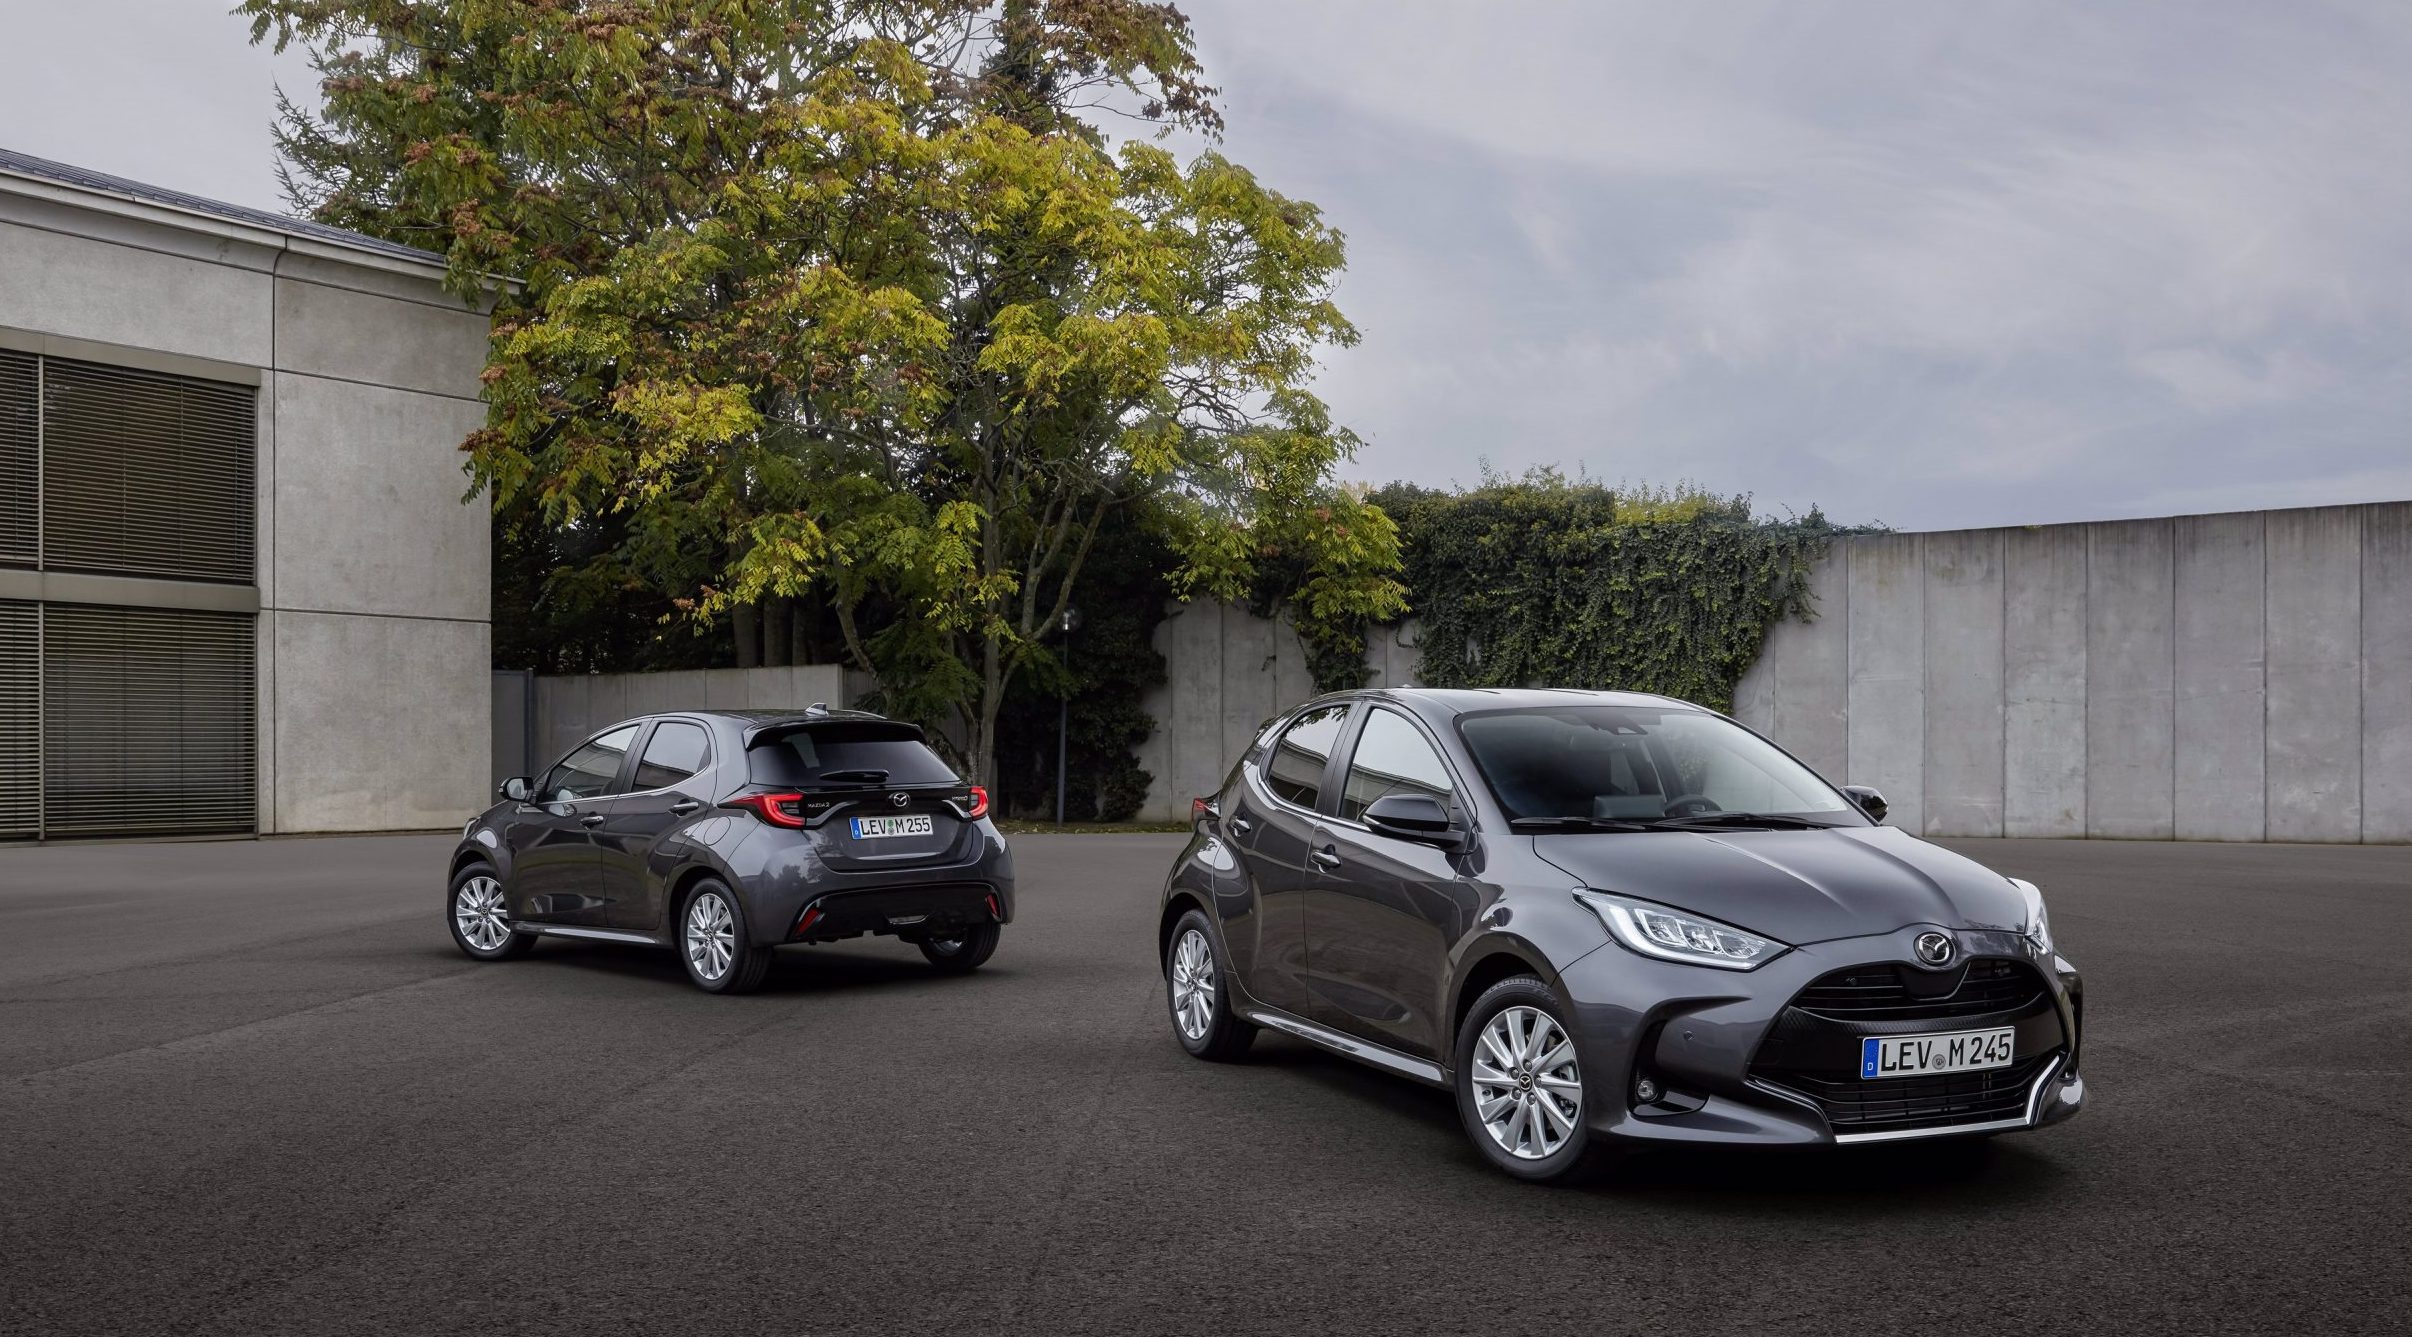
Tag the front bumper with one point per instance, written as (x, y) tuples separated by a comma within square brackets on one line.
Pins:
[(1708, 1039)]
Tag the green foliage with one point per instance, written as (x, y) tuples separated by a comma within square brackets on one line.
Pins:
[(1543, 580), (845, 297)]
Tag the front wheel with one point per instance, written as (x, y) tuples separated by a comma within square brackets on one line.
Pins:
[(1199, 995), (963, 953), (480, 922), (1519, 1087)]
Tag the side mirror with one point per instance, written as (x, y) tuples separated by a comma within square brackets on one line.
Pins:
[(1869, 801), (1418, 817), (515, 789)]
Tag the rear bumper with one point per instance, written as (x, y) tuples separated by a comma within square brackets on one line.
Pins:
[(942, 910), (783, 880)]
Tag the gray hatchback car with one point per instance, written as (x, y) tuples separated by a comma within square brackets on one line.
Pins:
[(724, 834), (1608, 919)]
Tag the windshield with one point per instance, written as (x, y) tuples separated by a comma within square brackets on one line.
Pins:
[(1627, 764)]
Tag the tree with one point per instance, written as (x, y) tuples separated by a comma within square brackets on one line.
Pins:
[(857, 297)]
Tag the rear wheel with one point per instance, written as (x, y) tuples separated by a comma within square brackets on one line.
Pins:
[(964, 952), (480, 922), (720, 956), (1199, 995)]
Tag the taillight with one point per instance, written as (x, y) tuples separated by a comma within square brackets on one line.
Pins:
[(777, 809), (979, 804)]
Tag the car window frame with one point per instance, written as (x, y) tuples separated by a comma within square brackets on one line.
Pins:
[(643, 730), (1460, 809), (637, 755), (1324, 793)]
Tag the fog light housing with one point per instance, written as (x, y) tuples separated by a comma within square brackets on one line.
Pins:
[(1646, 1089)]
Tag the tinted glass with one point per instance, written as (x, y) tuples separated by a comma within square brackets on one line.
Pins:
[(1294, 771), (1630, 762), (846, 755), (1392, 757), (589, 770), (676, 751)]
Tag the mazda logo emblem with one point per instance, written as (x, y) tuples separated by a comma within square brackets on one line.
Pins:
[(899, 800), (1934, 948)]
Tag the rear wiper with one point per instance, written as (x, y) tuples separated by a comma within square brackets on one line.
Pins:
[(1577, 824), (865, 776), (1773, 820)]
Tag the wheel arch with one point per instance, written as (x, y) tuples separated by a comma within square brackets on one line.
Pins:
[(1485, 964), (1179, 903)]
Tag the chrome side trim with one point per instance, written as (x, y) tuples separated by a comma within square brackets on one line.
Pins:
[(600, 934), (1360, 1050)]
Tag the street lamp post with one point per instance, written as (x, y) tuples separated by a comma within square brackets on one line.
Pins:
[(1063, 710)]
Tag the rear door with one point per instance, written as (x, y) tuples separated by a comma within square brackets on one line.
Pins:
[(556, 871), (1385, 912), (665, 792), (1275, 831)]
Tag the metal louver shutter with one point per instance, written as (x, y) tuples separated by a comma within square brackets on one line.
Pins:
[(147, 726), (146, 473), (20, 720), (19, 436)]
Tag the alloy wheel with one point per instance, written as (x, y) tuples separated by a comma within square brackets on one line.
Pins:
[(477, 912), (1193, 985), (1527, 1090), (711, 936)]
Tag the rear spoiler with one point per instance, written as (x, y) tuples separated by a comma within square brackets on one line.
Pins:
[(821, 718)]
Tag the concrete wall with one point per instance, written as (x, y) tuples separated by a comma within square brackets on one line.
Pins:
[(2219, 677), (372, 573), (571, 708)]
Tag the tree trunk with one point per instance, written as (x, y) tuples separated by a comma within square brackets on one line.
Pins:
[(775, 648), (749, 637)]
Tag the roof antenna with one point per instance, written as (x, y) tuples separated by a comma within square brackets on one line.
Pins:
[(817, 708)]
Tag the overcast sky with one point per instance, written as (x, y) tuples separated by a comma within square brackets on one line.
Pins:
[(1930, 265)]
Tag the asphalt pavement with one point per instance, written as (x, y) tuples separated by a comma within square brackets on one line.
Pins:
[(252, 1088)]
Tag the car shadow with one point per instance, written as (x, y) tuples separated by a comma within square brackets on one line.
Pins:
[(794, 971), (1947, 1173)]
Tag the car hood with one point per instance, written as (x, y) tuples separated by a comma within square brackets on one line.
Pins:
[(1799, 887)]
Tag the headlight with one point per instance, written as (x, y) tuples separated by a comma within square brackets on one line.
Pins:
[(2039, 924), (1671, 935)]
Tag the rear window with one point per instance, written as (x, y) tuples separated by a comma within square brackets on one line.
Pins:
[(847, 755)]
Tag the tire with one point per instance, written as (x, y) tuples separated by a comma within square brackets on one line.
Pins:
[(1525, 1118), (961, 956), (1202, 1017), (713, 943), (475, 912)]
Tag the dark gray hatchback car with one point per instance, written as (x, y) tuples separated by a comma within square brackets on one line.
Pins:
[(724, 834), (1608, 919)]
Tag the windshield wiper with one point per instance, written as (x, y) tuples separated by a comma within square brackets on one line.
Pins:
[(1776, 821), (1577, 824)]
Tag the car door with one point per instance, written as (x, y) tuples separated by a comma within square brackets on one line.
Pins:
[(1274, 828), (664, 793), (556, 874), (1383, 913)]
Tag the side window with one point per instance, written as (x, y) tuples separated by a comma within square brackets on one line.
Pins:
[(589, 770), (1392, 757), (1294, 769), (676, 751)]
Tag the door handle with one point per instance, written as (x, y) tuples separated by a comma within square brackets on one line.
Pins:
[(1327, 857), (591, 819), (683, 807), (1242, 826)]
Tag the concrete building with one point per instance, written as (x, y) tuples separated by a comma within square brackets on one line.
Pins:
[(240, 590)]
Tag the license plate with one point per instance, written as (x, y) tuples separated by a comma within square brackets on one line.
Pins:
[(880, 828), (1882, 1056)]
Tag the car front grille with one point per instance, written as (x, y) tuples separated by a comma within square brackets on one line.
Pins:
[(1811, 1054), (1898, 993)]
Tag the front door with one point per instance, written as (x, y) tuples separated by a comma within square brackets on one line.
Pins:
[(556, 873), (1385, 912)]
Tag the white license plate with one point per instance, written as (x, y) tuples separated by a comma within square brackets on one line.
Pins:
[(1882, 1056), (880, 828)]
